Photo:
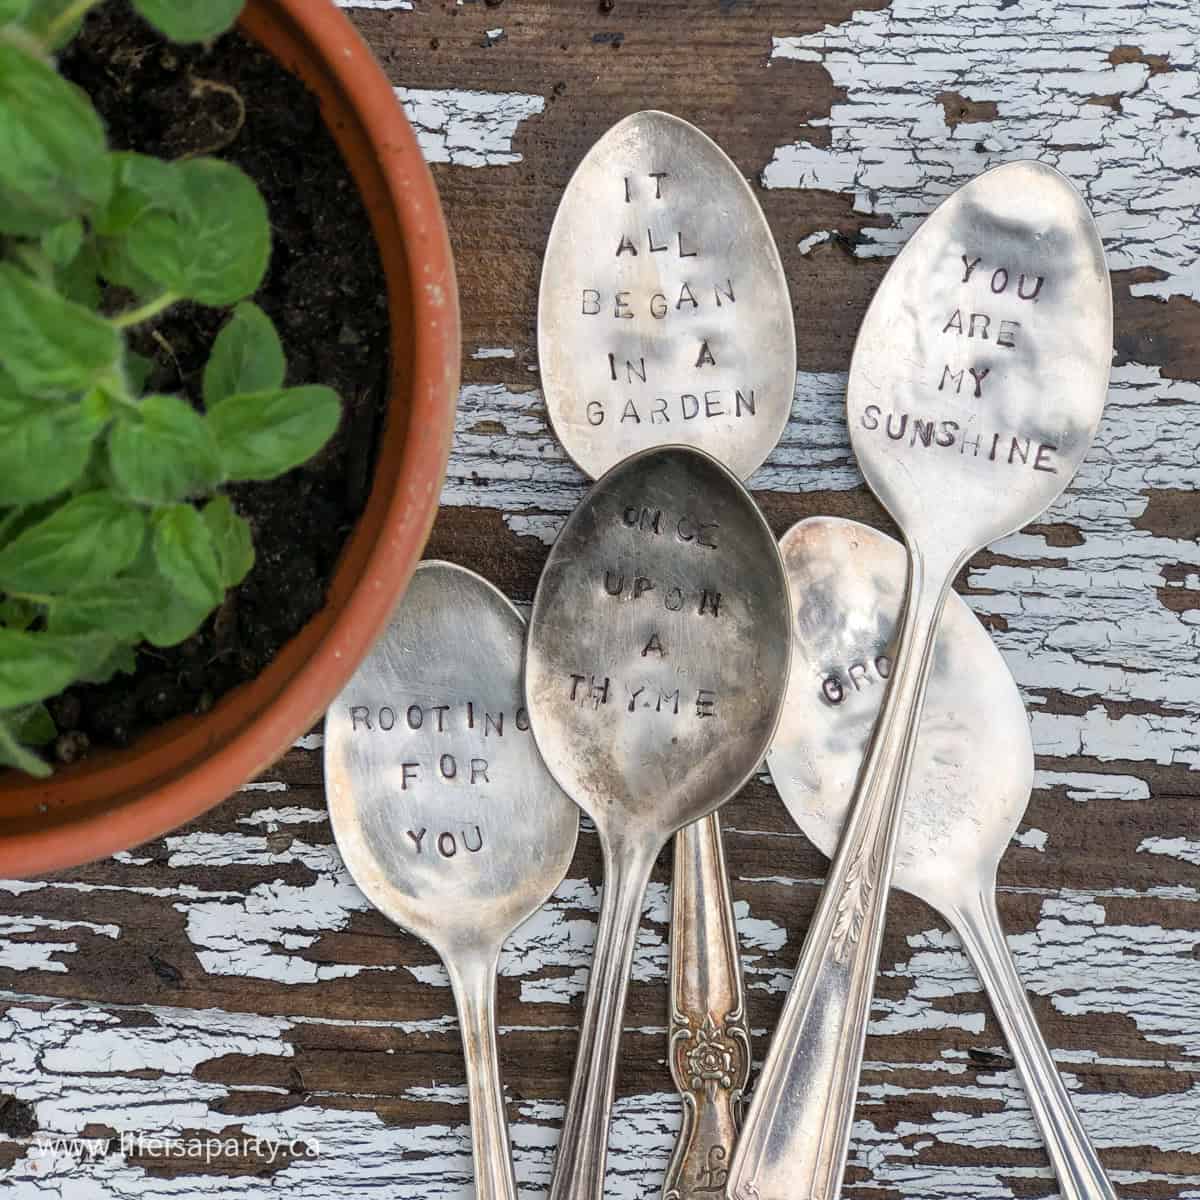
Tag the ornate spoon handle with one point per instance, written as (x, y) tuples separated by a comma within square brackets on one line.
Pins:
[(797, 1131), (709, 1043), (1080, 1173)]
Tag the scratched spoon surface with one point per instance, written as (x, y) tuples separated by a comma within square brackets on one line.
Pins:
[(655, 669), (976, 386), (443, 811), (969, 787), (664, 316)]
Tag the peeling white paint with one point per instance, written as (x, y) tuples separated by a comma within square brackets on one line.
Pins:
[(1032, 839), (483, 352), (1040, 62), (1185, 849), (1087, 785), (468, 129)]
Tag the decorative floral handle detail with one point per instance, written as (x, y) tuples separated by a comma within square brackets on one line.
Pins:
[(709, 1041)]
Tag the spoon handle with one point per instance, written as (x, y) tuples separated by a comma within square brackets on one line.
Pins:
[(474, 982), (709, 1043), (797, 1130), (583, 1147), (1075, 1162)]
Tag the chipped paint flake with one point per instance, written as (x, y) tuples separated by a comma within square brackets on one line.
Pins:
[(468, 129)]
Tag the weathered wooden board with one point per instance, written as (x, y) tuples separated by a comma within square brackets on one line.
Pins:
[(228, 981)]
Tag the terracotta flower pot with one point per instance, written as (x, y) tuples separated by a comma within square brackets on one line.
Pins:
[(115, 799)]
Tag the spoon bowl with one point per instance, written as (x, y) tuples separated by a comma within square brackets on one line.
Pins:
[(442, 809), (970, 783), (655, 670)]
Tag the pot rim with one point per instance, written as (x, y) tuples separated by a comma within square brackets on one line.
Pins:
[(316, 40)]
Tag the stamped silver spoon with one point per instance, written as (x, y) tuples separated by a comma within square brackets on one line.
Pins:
[(969, 787), (655, 669), (442, 809), (977, 383), (664, 316)]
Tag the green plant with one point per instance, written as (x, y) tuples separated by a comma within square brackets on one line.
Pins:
[(113, 528)]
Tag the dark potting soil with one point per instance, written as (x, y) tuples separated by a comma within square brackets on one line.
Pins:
[(326, 294)]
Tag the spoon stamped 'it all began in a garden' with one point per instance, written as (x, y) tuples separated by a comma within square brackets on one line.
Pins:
[(664, 317), (977, 383)]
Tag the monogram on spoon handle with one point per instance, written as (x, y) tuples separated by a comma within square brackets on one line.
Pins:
[(709, 1043)]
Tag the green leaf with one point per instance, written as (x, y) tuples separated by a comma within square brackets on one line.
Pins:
[(231, 540), (16, 613), (53, 158), (263, 434), (78, 280), (213, 243), (44, 447), (86, 540), (163, 451), (12, 10), (137, 370), (186, 557), (51, 346), (34, 725), (246, 357), (117, 607), (63, 242), (13, 754), (103, 666), (140, 183), (190, 20), (34, 666), (42, 14)]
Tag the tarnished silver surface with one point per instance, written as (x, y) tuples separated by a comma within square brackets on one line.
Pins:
[(664, 315), (993, 323), (655, 670), (969, 787), (707, 1019), (709, 1041), (442, 809)]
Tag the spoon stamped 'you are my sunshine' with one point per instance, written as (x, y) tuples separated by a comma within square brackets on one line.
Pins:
[(977, 383)]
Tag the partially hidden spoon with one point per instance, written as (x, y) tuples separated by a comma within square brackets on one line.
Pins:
[(655, 670), (664, 317), (442, 809), (976, 386), (969, 787)]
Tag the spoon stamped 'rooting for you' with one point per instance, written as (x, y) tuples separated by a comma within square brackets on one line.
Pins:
[(442, 809), (977, 383), (969, 788)]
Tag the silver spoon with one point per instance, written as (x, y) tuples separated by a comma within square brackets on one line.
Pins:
[(655, 670), (977, 383), (658, 225), (442, 809), (970, 784)]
